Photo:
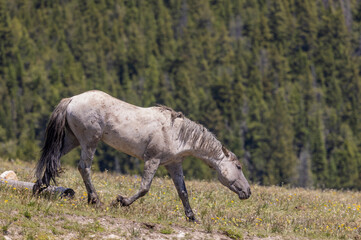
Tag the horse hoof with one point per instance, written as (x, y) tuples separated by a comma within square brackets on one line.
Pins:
[(194, 220), (120, 201), (94, 200)]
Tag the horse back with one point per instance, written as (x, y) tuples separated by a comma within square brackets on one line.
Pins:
[(95, 116)]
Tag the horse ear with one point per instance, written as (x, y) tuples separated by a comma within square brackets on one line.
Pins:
[(225, 151)]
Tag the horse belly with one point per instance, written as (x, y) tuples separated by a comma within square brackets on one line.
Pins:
[(126, 140)]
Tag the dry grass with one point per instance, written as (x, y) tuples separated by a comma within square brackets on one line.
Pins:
[(271, 212)]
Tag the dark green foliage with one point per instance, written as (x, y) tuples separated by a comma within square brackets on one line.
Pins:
[(278, 82)]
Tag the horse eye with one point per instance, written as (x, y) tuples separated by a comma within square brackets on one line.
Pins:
[(239, 166)]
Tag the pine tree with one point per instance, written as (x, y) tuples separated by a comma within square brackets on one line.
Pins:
[(318, 151), (282, 164), (345, 159)]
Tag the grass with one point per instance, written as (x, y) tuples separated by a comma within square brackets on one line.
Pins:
[(166, 230), (270, 212)]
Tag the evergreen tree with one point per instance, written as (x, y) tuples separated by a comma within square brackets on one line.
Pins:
[(318, 151), (278, 82)]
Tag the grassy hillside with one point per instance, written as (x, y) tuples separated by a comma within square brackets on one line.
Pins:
[(275, 212)]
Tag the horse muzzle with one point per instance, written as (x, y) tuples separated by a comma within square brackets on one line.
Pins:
[(244, 195)]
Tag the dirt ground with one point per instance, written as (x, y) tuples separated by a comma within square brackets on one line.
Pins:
[(117, 228)]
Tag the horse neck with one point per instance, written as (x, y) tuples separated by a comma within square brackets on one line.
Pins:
[(196, 140), (210, 158)]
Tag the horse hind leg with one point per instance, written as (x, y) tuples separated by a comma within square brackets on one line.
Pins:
[(88, 136), (84, 167)]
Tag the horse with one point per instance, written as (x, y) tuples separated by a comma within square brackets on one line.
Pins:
[(157, 135)]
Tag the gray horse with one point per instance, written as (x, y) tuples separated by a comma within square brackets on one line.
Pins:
[(158, 135)]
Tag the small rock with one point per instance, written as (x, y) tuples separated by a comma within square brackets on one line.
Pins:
[(181, 234), (9, 175), (112, 236)]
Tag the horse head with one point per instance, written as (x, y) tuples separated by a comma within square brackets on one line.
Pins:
[(230, 175)]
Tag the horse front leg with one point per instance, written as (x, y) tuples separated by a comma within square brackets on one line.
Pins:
[(176, 172), (150, 167)]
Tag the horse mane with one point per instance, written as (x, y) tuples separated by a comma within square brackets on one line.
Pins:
[(195, 134), (199, 137)]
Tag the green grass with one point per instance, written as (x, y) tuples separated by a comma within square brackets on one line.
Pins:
[(270, 212), (166, 230)]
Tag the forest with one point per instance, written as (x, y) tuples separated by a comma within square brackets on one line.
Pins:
[(277, 81)]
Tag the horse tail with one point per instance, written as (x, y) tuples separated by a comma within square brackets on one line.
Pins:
[(48, 167)]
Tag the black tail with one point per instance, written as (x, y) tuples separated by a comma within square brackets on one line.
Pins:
[(48, 166)]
